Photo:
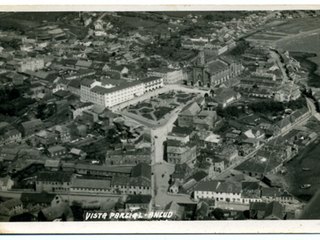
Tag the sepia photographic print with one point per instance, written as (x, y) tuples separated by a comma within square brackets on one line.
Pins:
[(159, 120)]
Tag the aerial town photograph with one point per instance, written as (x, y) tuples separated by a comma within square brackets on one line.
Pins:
[(159, 115)]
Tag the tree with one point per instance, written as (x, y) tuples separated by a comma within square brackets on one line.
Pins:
[(218, 213)]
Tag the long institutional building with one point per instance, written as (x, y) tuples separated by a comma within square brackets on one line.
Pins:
[(109, 92)]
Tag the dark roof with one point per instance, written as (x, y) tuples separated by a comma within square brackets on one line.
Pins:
[(42, 197), (270, 192), (190, 110), (258, 206), (141, 169), (91, 183), (54, 176), (254, 165), (182, 130), (198, 176), (69, 61), (61, 93), (74, 83), (93, 167), (274, 210), (138, 199), (207, 186), (250, 185)]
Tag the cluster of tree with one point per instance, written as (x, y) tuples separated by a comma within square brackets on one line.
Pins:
[(225, 16), (14, 107), (241, 47), (112, 137), (153, 63), (8, 94), (44, 112), (261, 107), (233, 111)]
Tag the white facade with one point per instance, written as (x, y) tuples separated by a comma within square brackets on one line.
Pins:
[(218, 196), (108, 95)]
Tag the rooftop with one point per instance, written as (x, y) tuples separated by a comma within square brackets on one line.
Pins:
[(54, 176), (138, 199), (91, 183)]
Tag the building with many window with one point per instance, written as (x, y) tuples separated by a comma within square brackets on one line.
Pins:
[(53, 181), (109, 92), (169, 75)]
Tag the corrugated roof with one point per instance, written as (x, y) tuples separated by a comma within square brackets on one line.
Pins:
[(91, 183), (119, 169)]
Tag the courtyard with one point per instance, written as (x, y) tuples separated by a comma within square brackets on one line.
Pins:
[(159, 108)]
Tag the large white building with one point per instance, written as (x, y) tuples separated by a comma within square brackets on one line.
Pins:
[(219, 191), (169, 75), (109, 92)]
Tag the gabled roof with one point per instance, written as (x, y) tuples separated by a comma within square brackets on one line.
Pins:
[(270, 192), (207, 186), (91, 183), (58, 211), (75, 151), (190, 110), (250, 185), (274, 210), (11, 203), (4, 181), (42, 197), (32, 123), (54, 176), (75, 83), (216, 66), (140, 170), (8, 150)]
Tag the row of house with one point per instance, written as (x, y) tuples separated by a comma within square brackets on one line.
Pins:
[(242, 192)]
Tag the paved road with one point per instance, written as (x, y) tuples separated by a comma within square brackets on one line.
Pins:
[(89, 34), (80, 197), (280, 64)]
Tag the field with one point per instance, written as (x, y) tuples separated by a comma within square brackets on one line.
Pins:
[(295, 26), (44, 16)]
